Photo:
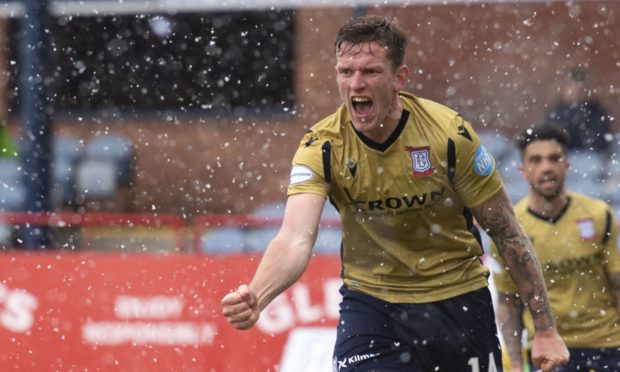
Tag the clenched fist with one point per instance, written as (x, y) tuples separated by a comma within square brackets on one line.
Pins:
[(241, 308)]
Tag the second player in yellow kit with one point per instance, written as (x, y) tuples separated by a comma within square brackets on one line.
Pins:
[(575, 239), (577, 251)]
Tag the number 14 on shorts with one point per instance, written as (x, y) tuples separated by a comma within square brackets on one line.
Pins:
[(474, 364)]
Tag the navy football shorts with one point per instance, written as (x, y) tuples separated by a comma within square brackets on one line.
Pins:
[(453, 335)]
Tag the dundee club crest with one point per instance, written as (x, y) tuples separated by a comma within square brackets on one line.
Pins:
[(421, 161)]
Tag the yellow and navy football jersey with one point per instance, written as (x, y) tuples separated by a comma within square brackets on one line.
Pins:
[(408, 233), (576, 251)]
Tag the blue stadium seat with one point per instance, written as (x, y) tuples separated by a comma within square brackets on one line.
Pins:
[(586, 164), (328, 241), (256, 239), (12, 190), (96, 178), (495, 142), (329, 238), (67, 153), (588, 186), (107, 165), (329, 211), (12, 194), (67, 147), (114, 148), (225, 240), (612, 181), (516, 186), (6, 232), (270, 210)]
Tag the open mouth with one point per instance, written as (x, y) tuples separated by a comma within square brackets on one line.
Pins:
[(547, 182), (361, 105)]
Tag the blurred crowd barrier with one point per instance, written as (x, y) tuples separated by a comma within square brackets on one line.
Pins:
[(124, 232), (141, 312), (140, 232)]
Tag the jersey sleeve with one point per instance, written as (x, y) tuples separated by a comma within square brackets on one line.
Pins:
[(309, 165), (476, 177), (502, 280), (613, 254)]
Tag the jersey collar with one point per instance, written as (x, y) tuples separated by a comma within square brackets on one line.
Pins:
[(554, 219), (391, 139)]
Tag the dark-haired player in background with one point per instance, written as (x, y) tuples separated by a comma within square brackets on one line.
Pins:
[(408, 176), (575, 239)]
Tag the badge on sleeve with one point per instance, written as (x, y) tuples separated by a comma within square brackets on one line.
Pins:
[(483, 162), (586, 229), (299, 174)]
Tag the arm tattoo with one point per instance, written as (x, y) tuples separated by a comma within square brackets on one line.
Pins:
[(497, 218)]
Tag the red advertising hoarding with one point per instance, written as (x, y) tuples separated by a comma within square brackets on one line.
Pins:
[(112, 312)]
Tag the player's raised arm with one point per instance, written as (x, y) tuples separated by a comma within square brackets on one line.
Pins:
[(497, 218), (285, 259)]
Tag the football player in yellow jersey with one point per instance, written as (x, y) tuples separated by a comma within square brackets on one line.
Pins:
[(408, 176), (575, 239)]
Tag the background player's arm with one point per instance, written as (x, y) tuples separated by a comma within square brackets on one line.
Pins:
[(283, 262), (613, 259), (497, 218), (510, 316), (614, 279)]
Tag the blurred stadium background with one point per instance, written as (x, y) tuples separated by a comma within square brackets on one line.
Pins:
[(168, 127)]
